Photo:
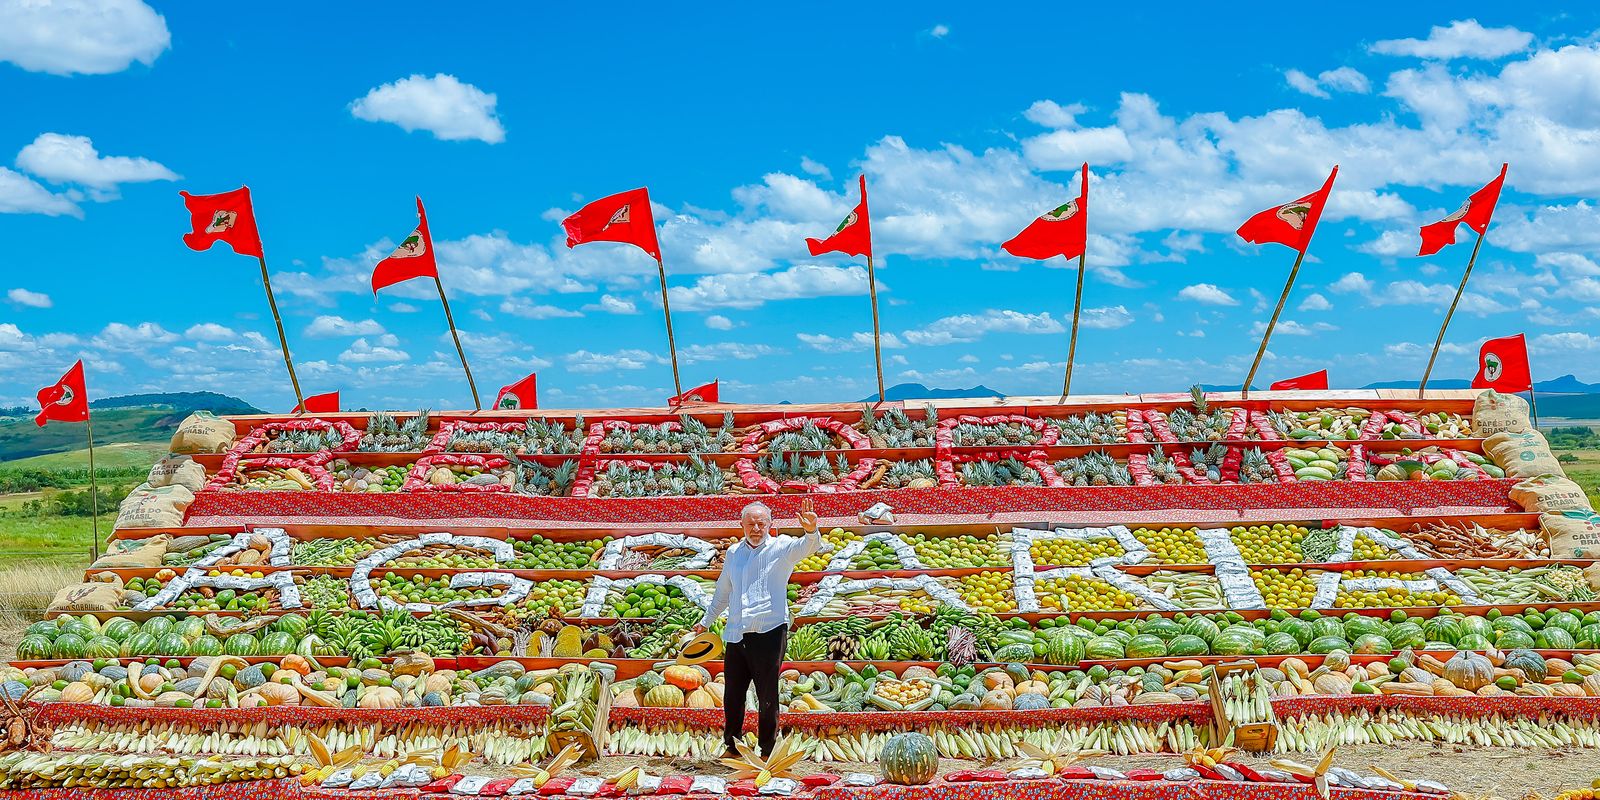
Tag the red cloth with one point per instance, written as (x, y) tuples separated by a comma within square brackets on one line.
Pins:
[(1314, 380), (1062, 232), (1503, 365), (623, 217), (326, 403), (707, 393), (853, 237), (522, 394), (1290, 224), (413, 258), (66, 400), (1143, 775), (1476, 212), (227, 217), (496, 787)]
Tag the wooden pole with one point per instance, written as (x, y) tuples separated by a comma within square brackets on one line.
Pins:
[(672, 344), (1273, 323), (450, 320), (1072, 346), (266, 281), (1421, 387), (1533, 401), (877, 340), (94, 491)]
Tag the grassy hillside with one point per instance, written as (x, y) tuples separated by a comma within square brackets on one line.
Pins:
[(130, 419), (115, 455)]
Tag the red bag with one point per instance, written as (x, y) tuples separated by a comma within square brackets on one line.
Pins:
[(1207, 773), (1143, 775), (1249, 773), (744, 788), (675, 784), (496, 787), (557, 786), (819, 779), (442, 785), (1079, 773)]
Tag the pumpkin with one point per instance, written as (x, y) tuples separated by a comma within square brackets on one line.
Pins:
[(716, 690), (627, 699), (252, 701), (700, 698), (1532, 664), (1030, 701), (686, 678), (995, 679), (1296, 666), (411, 663), (379, 697), (996, 699), (77, 692), (909, 759), (1565, 690), (1336, 660), (438, 682), (280, 694), (295, 663), (150, 682), (1468, 670), (664, 696), (1591, 685), (1040, 687)]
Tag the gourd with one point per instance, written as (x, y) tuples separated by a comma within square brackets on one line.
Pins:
[(1033, 687), (686, 678), (77, 692), (909, 759), (410, 663), (997, 699), (374, 697), (1591, 685), (296, 663), (282, 694), (1155, 698), (1532, 664), (664, 696), (627, 699), (1030, 701), (648, 681), (1468, 670), (700, 698), (1337, 660)]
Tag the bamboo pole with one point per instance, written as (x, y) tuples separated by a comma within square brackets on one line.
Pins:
[(450, 320), (877, 341), (272, 302), (1533, 401), (1422, 387), (1273, 323), (672, 343), (94, 490), (1072, 346)]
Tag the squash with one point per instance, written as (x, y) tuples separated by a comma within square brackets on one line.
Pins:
[(295, 663), (995, 679), (1036, 687), (408, 662), (1295, 666), (996, 700), (1468, 670), (1565, 690), (1399, 687), (379, 697), (909, 759), (1532, 664), (1155, 698), (1539, 690), (1591, 685), (664, 696), (279, 694), (686, 678), (252, 701), (700, 698), (627, 699), (1332, 683), (1490, 690), (77, 692), (1336, 660)]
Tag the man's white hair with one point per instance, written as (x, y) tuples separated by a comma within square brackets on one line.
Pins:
[(754, 507)]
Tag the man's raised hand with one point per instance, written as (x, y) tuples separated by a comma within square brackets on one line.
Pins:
[(808, 516)]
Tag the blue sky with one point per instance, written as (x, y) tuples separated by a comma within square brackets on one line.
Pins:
[(749, 129)]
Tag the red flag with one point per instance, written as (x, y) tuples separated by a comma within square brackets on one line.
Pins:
[(1315, 380), (226, 217), (1503, 365), (1476, 212), (1061, 232), (412, 259), (327, 403), (66, 400), (623, 217), (699, 394), (1291, 223), (522, 394), (853, 237)]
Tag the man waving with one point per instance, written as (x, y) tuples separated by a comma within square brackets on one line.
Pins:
[(754, 589)]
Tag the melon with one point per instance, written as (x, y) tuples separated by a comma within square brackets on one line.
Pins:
[(241, 644), (120, 628), (274, 644), (1240, 640), (1298, 628), (292, 624), (1327, 626), (69, 645), (1327, 644), (35, 647), (1186, 644), (44, 627), (142, 643), (1370, 643), (1103, 647), (1511, 639), (157, 625), (190, 628), (172, 643), (909, 759), (1145, 645), (1362, 626), (1552, 638), (1282, 644), (1442, 628), (1407, 634), (1201, 627), (1473, 641), (1162, 627), (102, 647), (206, 645)]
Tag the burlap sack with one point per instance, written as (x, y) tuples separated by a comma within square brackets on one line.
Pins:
[(1572, 534), (1522, 455), (147, 553), (154, 507), (178, 471), (1545, 493), (80, 597), (1494, 413), (203, 432)]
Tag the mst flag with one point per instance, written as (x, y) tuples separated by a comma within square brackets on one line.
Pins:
[(1290, 224), (853, 237), (326, 403), (1476, 212), (699, 394), (412, 259), (66, 400), (1061, 232), (522, 394), (1503, 365), (1314, 380), (226, 217), (623, 217)]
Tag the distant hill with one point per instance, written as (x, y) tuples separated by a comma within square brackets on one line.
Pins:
[(1566, 384), (916, 391), (135, 418)]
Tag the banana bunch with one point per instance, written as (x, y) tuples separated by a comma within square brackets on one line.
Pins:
[(29, 770)]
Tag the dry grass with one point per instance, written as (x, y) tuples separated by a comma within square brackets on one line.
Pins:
[(25, 590)]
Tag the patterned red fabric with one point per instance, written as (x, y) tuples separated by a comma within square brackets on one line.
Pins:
[(1058, 789), (711, 718), (64, 713), (239, 790)]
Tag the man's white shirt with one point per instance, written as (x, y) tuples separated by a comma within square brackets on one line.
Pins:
[(754, 584)]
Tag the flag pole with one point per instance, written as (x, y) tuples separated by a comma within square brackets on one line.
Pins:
[(450, 320), (672, 343), (266, 281), (877, 341), (94, 490), (1072, 346), (1450, 313), (1273, 323), (1533, 402)]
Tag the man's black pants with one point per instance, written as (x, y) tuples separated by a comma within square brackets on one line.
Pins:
[(757, 658)]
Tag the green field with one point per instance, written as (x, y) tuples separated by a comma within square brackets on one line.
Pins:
[(107, 456)]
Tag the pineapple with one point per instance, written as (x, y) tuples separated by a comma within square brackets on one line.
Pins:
[(1163, 469)]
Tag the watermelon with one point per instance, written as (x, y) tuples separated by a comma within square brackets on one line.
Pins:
[(69, 645), (102, 647), (1475, 626), (1474, 641), (172, 643), (1407, 634), (1145, 645), (1282, 644), (1298, 628), (1327, 626), (1240, 640), (1185, 644), (206, 645), (1323, 645), (1120, 635), (44, 627), (79, 628), (243, 644), (292, 624), (1510, 623), (1554, 638), (1005, 653), (139, 644), (1065, 650), (1443, 628), (35, 647), (120, 628), (1202, 628), (1363, 626), (157, 625), (1567, 622), (1511, 639), (1371, 643), (1103, 647), (1162, 627), (282, 644), (1589, 636)]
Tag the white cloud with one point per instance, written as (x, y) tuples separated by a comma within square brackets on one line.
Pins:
[(363, 352), (1207, 294), (1050, 114), (1570, 341), (117, 336), (90, 37), (731, 351), (968, 359), (586, 361), (1463, 38), (750, 290), (60, 158), (717, 322), (860, 340), (1343, 79), (1315, 302), (1570, 265), (613, 305), (1351, 282), (31, 299), (20, 194), (972, 327), (327, 326), (1106, 318), (521, 307), (1289, 327), (442, 105), (939, 31), (403, 308), (811, 167), (210, 332)]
